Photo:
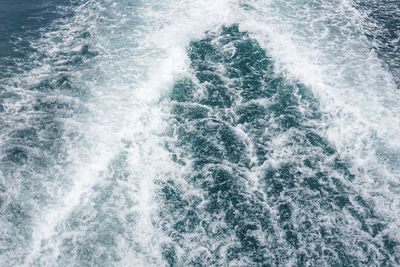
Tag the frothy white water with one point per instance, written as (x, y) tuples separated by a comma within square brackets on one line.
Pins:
[(141, 49), (103, 190), (322, 44)]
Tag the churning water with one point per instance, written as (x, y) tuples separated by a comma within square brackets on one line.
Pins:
[(199, 133)]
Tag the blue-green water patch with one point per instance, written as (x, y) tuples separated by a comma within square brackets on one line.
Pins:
[(266, 187)]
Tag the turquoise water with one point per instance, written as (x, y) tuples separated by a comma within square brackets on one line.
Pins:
[(229, 133)]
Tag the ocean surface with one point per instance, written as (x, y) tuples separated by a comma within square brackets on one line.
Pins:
[(199, 133)]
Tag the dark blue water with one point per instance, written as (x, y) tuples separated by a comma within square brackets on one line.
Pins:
[(21, 21), (212, 133), (384, 19)]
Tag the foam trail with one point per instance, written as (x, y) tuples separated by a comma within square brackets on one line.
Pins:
[(123, 125), (324, 46), (259, 180), (198, 133)]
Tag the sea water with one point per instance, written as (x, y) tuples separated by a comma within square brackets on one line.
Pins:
[(199, 133)]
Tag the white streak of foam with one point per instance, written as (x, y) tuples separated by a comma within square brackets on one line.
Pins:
[(127, 86), (322, 44)]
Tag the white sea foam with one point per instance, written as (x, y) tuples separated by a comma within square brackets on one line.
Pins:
[(322, 44), (141, 51)]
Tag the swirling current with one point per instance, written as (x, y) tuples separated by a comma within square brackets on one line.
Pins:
[(199, 133)]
